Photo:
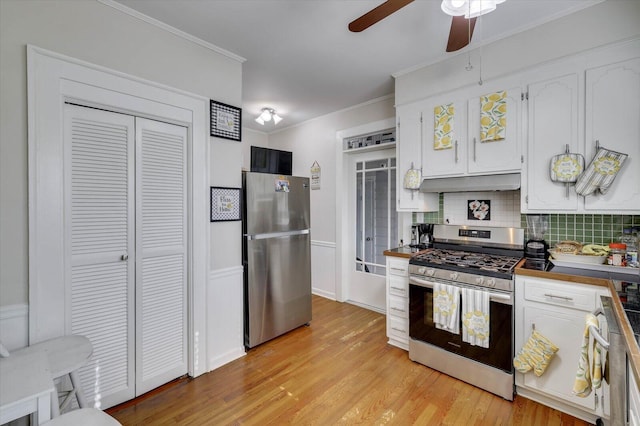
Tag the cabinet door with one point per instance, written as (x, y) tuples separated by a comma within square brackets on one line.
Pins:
[(565, 328), (503, 155), (408, 154), (612, 117), (553, 124), (444, 151)]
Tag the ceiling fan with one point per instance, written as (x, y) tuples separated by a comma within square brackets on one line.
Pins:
[(461, 28)]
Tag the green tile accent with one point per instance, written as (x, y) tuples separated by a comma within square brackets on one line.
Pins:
[(590, 228)]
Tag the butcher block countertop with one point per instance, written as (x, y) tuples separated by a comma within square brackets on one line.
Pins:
[(633, 351), (404, 251)]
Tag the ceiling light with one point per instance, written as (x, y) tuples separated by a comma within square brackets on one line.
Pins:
[(469, 8), (266, 115)]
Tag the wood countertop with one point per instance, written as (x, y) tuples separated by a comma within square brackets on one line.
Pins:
[(404, 251), (633, 351)]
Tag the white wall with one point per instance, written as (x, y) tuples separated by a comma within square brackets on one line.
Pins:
[(315, 140), (604, 23), (99, 34), (251, 138)]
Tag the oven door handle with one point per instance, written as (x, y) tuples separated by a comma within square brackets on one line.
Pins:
[(596, 333), (504, 298)]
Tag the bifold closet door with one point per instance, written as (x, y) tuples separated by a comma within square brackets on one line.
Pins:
[(161, 248), (99, 184), (126, 212)]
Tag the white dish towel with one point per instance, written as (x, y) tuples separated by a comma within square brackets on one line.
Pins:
[(446, 313), (475, 317)]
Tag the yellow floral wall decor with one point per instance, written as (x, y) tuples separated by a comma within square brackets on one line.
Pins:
[(443, 126), (493, 116)]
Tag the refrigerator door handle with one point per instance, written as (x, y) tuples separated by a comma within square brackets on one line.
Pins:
[(276, 234)]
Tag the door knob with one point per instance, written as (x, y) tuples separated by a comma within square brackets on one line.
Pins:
[(124, 257)]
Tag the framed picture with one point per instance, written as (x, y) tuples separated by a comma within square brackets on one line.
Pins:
[(226, 121), (225, 204), (479, 210)]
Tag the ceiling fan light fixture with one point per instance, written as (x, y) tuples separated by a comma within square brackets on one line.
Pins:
[(259, 120), (276, 118), (469, 8)]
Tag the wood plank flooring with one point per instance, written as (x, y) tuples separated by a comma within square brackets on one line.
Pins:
[(338, 370)]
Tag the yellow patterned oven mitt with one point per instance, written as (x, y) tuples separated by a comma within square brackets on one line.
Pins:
[(535, 354), (601, 172)]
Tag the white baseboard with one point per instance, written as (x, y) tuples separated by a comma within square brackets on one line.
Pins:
[(221, 359), (324, 293), (14, 326)]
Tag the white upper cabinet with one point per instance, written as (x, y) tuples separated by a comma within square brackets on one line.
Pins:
[(588, 107), (444, 125), (505, 153), (612, 108), (409, 137), (552, 126), (453, 144)]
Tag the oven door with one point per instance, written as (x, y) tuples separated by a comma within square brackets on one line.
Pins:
[(499, 354)]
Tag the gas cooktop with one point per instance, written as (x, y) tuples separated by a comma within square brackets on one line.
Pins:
[(465, 261), (490, 251)]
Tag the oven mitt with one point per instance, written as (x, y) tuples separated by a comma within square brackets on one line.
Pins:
[(535, 354), (601, 172)]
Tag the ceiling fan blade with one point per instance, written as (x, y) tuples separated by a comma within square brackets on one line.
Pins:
[(460, 33), (377, 14)]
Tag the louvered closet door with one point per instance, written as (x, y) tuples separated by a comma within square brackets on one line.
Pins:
[(126, 211), (161, 275), (99, 193)]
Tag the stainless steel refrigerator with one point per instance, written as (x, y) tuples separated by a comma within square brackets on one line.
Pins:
[(276, 253)]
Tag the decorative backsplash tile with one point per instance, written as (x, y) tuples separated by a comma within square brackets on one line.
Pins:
[(505, 211), (454, 209), (588, 228)]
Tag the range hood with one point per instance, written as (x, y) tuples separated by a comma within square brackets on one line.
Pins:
[(506, 182)]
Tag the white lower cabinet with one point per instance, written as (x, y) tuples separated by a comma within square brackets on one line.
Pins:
[(398, 301), (557, 310)]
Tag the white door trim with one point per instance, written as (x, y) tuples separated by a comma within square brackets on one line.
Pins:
[(53, 79), (343, 257)]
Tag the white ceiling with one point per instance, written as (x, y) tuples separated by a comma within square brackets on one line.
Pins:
[(302, 60)]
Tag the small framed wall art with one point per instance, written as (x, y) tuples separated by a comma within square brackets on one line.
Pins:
[(225, 204), (226, 121)]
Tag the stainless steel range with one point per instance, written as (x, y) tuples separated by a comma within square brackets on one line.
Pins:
[(471, 261)]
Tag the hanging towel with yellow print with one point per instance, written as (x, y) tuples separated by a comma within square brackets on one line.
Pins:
[(493, 116), (589, 374), (443, 126)]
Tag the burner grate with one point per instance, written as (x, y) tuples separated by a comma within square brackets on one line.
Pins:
[(467, 260)]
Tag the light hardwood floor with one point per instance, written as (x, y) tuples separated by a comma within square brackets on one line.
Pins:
[(337, 370)]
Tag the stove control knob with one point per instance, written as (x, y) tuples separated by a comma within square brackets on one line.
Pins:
[(431, 272), (491, 282), (453, 276), (421, 270), (479, 280)]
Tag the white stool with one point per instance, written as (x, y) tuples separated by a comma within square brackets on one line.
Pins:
[(66, 354), (84, 417)]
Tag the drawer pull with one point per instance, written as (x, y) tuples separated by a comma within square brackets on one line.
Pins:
[(393, 308), (404, 271), (399, 330), (399, 289), (553, 296)]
